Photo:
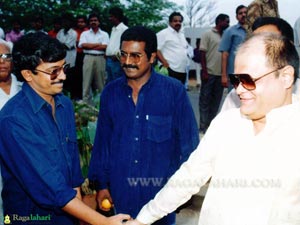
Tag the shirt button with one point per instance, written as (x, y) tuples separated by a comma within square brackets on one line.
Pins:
[(136, 161), (136, 139), (137, 116), (129, 96)]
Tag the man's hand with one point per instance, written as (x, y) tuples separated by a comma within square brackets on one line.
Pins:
[(204, 75), (101, 195), (224, 81), (118, 219)]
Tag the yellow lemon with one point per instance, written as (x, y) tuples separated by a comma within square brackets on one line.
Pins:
[(106, 204)]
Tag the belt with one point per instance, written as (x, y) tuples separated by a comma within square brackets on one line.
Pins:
[(93, 54)]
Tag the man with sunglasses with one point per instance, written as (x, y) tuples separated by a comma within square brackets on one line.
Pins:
[(262, 24), (146, 128), (254, 168), (38, 148)]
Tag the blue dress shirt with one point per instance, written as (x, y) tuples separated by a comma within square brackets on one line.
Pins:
[(39, 158), (138, 147), (231, 39)]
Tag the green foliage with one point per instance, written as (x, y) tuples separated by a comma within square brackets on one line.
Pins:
[(152, 13)]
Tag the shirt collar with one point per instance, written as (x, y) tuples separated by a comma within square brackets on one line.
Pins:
[(91, 30), (36, 101), (173, 30), (240, 26), (151, 80)]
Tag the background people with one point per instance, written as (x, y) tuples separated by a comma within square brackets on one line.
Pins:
[(231, 39), (211, 91), (172, 48), (113, 67), (94, 42)]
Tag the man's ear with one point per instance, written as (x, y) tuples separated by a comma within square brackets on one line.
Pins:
[(27, 75), (287, 75), (153, 57)]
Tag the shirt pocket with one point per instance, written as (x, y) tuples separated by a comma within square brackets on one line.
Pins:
[(159, 128)]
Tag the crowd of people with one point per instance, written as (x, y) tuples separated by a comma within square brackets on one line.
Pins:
[(147, 158)]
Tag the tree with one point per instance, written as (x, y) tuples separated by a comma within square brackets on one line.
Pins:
[(152, 13), (200, 12)]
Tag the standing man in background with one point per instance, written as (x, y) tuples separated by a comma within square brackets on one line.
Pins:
[(80, 27), (113, 67), (94, 42), (211, 60), (231, 39), (172, 48)]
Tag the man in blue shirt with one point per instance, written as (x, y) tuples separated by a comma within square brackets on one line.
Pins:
[(146, 129), (38, 147), (231, 39)]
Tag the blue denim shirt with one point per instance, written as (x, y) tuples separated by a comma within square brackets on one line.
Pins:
[(39, 157), (137, 147), (231, 39)]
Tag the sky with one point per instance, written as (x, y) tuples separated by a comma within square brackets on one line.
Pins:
[(289, 10)]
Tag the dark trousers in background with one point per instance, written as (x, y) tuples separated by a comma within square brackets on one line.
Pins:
[(211, 94), (179, 76), (77, 93)]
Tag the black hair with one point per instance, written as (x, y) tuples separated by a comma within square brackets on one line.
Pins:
[(92, 15), (81, 17), (239, 8), (283, 26), (173, 14), (221, 17), (141, 34), (33, 49), (117, 12)]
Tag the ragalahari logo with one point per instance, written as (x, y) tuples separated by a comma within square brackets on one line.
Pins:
[(7, 220)]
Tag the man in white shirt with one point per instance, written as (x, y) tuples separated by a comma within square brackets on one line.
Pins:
[(113, 67), (9, 86), (254, 168), (94, 42), (172, 48)]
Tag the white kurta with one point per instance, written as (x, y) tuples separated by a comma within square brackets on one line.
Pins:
[(255, 178)]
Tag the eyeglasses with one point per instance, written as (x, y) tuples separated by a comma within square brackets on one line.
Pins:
[(134, 57), (55, 73), (6, 57), (247, 81)]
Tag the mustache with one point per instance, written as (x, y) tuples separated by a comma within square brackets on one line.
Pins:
[(57, 82), (130, 66)]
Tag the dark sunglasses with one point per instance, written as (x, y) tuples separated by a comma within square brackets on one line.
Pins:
[(247, 81), (55, 73)]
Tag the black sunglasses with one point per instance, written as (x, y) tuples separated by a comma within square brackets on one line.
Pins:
[(247, 81), (55, 73)]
